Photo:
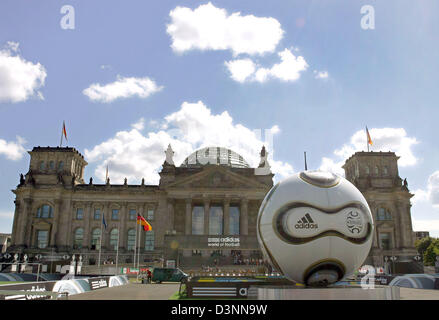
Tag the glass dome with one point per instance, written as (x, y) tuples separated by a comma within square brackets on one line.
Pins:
[(215, 155)]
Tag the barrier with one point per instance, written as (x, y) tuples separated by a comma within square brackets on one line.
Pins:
[(50, 289)]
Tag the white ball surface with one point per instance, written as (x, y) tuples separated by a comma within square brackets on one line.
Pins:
[(315, 227)]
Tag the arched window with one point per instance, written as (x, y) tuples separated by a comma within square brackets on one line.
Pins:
[(95, 238), (367, 170), (51, 165), (377, 171), (234, 220), (383, 214), (45, 211), (42, 166), (61, 166), (131, 243), (149, 240), (114, 239), (385, 171), (78, 238)]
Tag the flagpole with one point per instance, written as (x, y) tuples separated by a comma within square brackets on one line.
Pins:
[(100, 243), (60, 144), (117, 250), (135, 247), (138, 250)]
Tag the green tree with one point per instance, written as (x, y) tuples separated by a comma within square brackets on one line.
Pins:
[(431, 252), (422, 245)]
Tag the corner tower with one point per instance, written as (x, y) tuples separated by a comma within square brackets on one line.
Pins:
[(376, 175), (54, 165)]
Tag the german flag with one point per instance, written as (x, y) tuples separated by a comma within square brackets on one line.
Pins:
[(369, 140), (64, 132), (141, 220)]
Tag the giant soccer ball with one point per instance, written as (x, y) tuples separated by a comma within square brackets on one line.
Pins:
[(315, 227)]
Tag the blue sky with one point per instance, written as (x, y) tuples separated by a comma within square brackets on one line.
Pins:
[(384, 78)]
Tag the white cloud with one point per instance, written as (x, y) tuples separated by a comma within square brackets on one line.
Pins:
[(288, 69), (240, 69), (384, 139), (19, 79), (431, 194), (6, 214), (123, 87), (426, 225), (13, 150), (135, 155), (210, 28), (321, 74)]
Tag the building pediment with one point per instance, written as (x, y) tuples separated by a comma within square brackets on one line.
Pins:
[(216, 177)]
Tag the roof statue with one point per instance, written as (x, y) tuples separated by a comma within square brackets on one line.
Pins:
[(169, 155), (264, 167)]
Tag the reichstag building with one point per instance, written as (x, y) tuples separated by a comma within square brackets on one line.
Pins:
[(202, 211)]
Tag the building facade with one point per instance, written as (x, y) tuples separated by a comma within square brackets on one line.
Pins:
[(202, 211)]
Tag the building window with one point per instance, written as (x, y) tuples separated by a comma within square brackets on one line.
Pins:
[(150, 214), (377, 171), (42, 239), (149, 241), (115, 214), (196, 252), (97, 214), (42, 166), (45, 211), (234, 220), (52, 165), (198, 220), (114, 239), (131, 243), (383, 214), (216, 220), (133, 214), (367, 170), (385, 171), (95, 239), (60, 166), (79, 237), (79, 214), (385, 241)]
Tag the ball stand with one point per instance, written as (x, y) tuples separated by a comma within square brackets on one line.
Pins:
[(354, 292)]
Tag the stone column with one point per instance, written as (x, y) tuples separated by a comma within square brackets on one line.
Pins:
[(243, 223), (123, 225), (206, 215), (27, 223), (55, 221), (21, 222), (15, 223), (188, 221), (171, 213), (397, 216), (88, 215), (226, 219)]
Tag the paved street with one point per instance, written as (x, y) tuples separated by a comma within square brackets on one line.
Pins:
[(132, 291)]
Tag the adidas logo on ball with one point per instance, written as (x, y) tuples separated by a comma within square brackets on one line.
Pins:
[(306, 223)]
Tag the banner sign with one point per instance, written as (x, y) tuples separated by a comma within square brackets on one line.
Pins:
[(32, 286), (98, 283), (223, 242)]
